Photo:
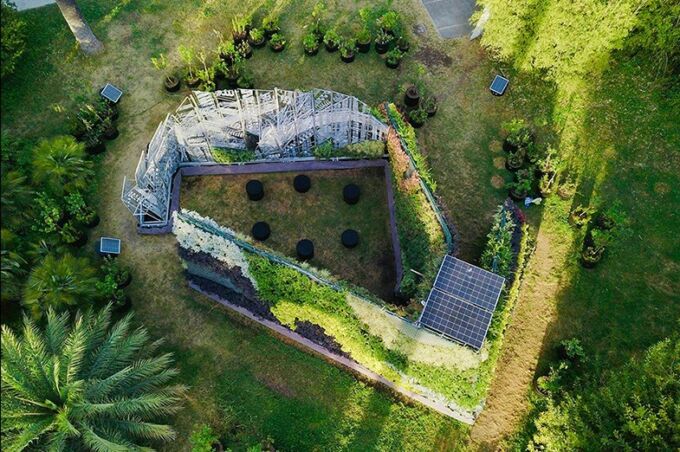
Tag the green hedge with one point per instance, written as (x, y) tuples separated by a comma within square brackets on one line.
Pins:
[(227, 155)]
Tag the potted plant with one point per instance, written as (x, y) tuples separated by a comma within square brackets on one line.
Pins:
[(331, 40), (581, 215), (347, 50), (239, 28), (566, 190), (206, 74), (244, 49), (393, 59), (594, 247), (412, 96), (382, 42), (110, 130), (246, 80), (318, 29), (188, 57), (403, 44), (518, 135), (120, 274), (364, 40), (226, 50), (277, 42), (270, 25), (390, 22), (170, 82), (546, 184), (256, 38), (430, 105), (417, 117), (311, 44), (521, 186), (72, 235), (515, 160)]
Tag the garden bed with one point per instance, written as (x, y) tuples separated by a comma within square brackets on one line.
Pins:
[(320, 215)]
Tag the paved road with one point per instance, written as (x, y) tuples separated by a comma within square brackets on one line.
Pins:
[(451, 17)]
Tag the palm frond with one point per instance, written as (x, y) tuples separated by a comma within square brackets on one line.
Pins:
[(56, 331), (25, 437)]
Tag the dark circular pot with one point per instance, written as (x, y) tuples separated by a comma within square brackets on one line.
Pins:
[(192, 82), (412, 97), (510, 167), (81, 241), (312, 52), (96, 148), (432, 110), (417, 124), (392, 65), (347, 59), (517, 196), (93, 222), (125, 305), (257, 44), (260, 231), (364, 47), (171, 84), (381, 48), (277, 48), (589, 263), (255, 190), (509, 147), (249, 53), (305, 249), (232, 81), (111, 133), (269, 33), (302, 183), (351, 193), (251, 141), (331, 47), (403, 46), (349, 238), (126, 282)]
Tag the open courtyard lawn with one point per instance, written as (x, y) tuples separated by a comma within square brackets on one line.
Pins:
[(319, 215)]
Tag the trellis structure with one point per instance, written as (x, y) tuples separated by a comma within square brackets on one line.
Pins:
[(275, 124)]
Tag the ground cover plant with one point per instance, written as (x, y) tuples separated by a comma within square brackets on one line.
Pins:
[(320, 215)]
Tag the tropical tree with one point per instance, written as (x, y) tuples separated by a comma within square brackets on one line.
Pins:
[(15, 196), (87, 41), (58, 282), (59, 164), (12, 266), (85, 385), (11, 38)]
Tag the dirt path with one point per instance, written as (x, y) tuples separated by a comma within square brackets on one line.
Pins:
[(507, 402)]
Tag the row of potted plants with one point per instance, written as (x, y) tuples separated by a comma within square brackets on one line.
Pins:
[(93, 124), (419, 107)]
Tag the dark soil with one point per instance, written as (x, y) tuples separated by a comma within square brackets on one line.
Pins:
[(318, 335), (433, 57)]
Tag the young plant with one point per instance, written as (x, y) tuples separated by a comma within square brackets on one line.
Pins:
[(277, 42), (206, 74), (331, 39), (239, 27), (523, 182), (581, 215), (270, 25), (383, 39), (310, 43), (348, 48), (318, 28), (203, 439), (188, 57), (161, 64), (390, 22), (394, 57), (257, 37), (364, 36), (417, 117)]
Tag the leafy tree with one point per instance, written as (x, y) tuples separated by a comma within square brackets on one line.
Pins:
[(11, 37), (58, 282), (658, 32), (59, 164), (637, 408), (87, 41), (85, 385)]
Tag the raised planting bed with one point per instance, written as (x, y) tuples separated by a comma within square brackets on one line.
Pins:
[(318, 215)]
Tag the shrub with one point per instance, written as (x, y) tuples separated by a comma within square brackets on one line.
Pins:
[(257, 34), (498, 255), (417, 116), (348, 47), (324, 150), (389, 22), (277, 40), (383, 38), (366, 149), (226, 155), (394, 56), (59, 164), (12, 38), (310, 42), (364, 36), (331, 38), (48, 214), (202, 439)]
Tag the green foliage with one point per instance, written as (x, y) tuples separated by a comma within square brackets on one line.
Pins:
[(497, 255), (331, 38), (226, 155), (48, 214), (277, 40), (188, 57), (635, 408), (59, 165), (310, 42), (13, 267), (657, 31), (524, 181), (364, 36), (348, 47), (59, 282), (202, 439), (324, 150), (394, 56), (371, 149), (390, 22), (383, 38), (257, 34), (417, 116), (85, 385), (12, 38)]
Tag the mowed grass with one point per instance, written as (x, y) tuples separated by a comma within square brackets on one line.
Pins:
[(320, 215)]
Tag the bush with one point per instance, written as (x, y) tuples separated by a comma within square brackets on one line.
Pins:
[(226, 155), (498, 255), (372, 149), (12, 38), (202, 439), (310, 42), (324, 150)]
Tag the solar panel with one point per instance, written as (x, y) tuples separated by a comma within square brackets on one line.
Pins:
[(461, 302), (111, 93), (109, 245), (499, 85)]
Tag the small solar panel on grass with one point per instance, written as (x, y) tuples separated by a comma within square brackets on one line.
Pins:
[(499, 85), (108, 245), (111, 93)]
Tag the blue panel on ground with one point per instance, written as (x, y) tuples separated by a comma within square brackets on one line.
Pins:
[(109, 245), (111, 93), (499, 85), (468, 282)]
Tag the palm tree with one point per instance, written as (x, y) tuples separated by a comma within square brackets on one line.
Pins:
[(60, 165), (85, 385), (87, 41), (15, 196), (58, 282)]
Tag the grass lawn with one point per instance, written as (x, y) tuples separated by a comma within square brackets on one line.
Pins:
[(319, 215)]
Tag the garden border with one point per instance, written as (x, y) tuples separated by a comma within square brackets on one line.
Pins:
[(286, 167)]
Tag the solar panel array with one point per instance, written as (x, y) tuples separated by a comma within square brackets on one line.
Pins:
[(462, 301)]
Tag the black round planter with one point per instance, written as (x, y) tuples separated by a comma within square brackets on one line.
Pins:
[(302, 183), (249, 53), (93, 222), (403, 46), (171, 84), (305, 249), (232, 81), (350, 238), (588, 263), (347, 59), (364, 47), (509, 147), (126, 282), (331, 47), (351, 193), (96, 148), (431, 110), (412, 97), (382, 48), (82, 240), (111, 133), (392, 65), (312, 52), (192, 82), (261, 231), (257, 44), (517, 196), (277, 48), (251, 141), (417, 124), (509, 167), (255, 190)]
